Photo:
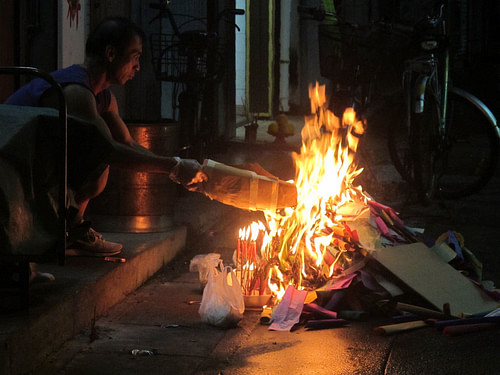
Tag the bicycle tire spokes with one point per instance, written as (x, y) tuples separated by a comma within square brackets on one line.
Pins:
[(470, 154), (456, 164)]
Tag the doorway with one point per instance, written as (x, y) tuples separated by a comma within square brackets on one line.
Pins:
[(240, 61), (255, 60)]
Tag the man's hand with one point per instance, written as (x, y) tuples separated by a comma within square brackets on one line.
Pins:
[(188, 173)]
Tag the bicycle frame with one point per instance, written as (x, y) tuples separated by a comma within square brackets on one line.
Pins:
[(447, 141), (190, 59), (420, 77), (432, 71), (430, 125), (428, 68)]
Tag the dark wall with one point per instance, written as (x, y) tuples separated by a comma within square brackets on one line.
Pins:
[(29, 38), (258, 60), (39, 27), (7, 46)]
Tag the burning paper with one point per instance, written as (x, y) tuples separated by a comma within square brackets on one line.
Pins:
[(288, 312), (309, 244), (314, 244), (321, 243)]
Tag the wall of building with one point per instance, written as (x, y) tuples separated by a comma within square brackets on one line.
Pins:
[(35, 41)]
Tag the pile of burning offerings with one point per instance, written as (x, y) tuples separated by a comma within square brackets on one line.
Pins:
[(312, 258), (334, 224)]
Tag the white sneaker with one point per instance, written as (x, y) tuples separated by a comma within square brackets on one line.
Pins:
[(84, 241)]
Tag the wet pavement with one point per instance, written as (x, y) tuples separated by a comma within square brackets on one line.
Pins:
[(161, 317)]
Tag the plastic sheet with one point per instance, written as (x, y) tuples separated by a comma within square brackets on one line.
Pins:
[(30, 175)]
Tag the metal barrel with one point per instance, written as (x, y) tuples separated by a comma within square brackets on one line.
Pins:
[(139, 202)]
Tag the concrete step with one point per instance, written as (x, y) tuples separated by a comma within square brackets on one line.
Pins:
[(83, 290)]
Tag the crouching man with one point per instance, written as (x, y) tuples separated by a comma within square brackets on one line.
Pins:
[(112, 55)]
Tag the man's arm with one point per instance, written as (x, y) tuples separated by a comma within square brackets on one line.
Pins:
[(117, 127), (119, 130), (127, 153)]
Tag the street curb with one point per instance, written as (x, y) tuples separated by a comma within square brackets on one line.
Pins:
[(44, 329)]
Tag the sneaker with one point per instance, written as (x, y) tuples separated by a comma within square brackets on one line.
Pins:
[(84, 241)]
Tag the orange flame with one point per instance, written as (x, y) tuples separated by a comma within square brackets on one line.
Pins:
[(325, 172)]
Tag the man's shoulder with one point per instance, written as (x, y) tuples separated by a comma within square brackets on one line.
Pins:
[(71, 69), (78, 91), (74, 80)]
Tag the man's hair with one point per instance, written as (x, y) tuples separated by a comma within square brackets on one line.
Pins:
[(115, 31)]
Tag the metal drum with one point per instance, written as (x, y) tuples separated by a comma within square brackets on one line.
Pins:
[(139, 202)]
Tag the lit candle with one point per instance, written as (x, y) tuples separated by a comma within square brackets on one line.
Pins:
[(243, 262), (238, 251)]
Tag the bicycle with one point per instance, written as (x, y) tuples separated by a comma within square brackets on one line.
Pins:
[(192, 61), (446, 144)]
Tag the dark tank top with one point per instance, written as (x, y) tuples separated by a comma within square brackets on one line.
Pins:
[(30, 94)]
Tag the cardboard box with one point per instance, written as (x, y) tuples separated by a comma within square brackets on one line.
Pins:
[(429, 275)]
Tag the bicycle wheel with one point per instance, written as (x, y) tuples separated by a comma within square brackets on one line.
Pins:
[(470, 154), (413, 141), (424, 146), (398, 138)]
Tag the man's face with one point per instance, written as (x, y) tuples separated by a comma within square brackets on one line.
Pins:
[(125, 65)]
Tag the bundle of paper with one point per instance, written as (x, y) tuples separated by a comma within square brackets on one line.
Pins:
[(246, 189)]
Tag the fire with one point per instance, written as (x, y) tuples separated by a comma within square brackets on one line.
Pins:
[(302, 245)]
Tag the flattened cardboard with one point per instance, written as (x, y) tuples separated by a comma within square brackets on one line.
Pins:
[(435, 280)]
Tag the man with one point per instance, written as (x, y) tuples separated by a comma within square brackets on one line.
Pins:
[(112, 54)]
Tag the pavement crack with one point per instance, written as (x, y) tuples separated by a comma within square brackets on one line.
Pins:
[(387, 358)]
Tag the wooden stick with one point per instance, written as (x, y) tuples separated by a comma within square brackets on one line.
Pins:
[(421, 311), (468, 328), (467, 321), (325, 323), (399, 327)]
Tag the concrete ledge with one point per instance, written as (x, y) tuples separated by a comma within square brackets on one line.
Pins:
[(84, 289)]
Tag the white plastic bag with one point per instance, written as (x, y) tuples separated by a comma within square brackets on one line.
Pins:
[(203, 263), (222, 304)]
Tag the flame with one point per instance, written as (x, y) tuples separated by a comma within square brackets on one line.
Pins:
[(301, 241)]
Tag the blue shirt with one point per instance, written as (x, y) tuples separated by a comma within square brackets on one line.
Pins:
[(30, 94)]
